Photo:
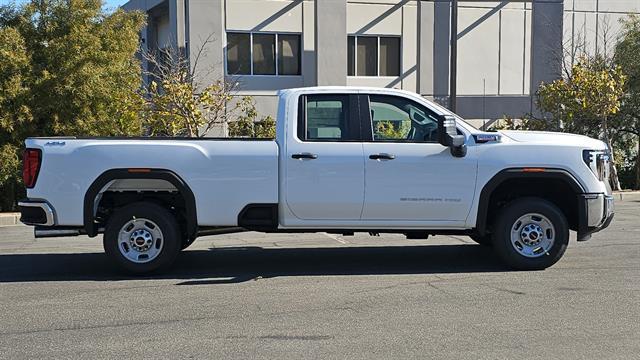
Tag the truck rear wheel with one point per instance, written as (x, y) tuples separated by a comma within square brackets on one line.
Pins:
[(530, 234), (142, 237)]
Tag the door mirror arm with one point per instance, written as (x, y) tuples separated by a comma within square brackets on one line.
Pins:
[(448, 136)]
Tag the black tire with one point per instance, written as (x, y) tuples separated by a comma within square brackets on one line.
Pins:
[(485, 240), (167, 225), (507, 219), (186, 243)]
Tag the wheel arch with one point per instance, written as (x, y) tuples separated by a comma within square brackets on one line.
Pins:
[(520, 174), (100, 184)]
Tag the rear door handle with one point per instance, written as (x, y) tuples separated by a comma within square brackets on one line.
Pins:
[(305, 156), (382, 156)]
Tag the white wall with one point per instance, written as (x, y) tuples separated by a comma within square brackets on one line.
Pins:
[(494, 43), (596, 23)]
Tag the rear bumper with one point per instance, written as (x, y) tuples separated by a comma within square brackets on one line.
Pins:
[(595, 213), (35, 212)]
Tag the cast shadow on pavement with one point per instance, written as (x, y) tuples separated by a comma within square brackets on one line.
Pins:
[(239, 264)]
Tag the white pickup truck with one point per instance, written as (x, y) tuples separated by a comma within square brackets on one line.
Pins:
[(344, 160)]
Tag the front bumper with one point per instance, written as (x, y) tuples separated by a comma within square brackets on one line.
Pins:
[(594, 214), (33, 212)]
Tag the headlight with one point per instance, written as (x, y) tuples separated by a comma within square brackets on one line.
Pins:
[(598, 162)]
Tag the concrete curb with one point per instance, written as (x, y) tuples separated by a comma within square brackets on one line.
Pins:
[(626, 195), (9, 219)]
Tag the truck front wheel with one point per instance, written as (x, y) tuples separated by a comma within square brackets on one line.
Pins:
[(530, 234), (142, 237)]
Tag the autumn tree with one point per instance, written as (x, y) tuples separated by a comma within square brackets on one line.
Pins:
[(66, 68), (185, 99), (584, 102)]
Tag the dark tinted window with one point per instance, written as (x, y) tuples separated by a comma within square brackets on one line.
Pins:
[(238, 54), (264, 54), (327, 117), (288, 54), (373, 55), (367, 56), (389, 56)]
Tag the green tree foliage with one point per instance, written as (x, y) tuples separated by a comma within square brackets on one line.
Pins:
[(246, 124), (526, 123), (387, 130), (177, 108), (66, 68), (627, 56)]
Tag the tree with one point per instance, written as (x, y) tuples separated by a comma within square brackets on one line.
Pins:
[(66, 68), (584, 102), (178, 103), (387, 129), (627, 56), (183, 101), (247, 126), (526, 123)]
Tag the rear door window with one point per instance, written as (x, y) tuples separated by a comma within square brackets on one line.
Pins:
[(327, 118)]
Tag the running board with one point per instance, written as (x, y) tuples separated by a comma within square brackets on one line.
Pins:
[(48, 232)]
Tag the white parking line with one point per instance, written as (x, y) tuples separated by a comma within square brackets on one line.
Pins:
[(462, 239), (336, 238)]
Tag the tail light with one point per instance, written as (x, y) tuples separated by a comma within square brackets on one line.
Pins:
[(31, 166)]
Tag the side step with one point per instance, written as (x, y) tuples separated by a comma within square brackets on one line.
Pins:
[(60, 231)]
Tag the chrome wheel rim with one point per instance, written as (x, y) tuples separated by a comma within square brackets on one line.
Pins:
[(140, 240), (532, 235)]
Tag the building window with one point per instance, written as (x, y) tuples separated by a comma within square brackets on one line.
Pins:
[(238, 54), (373, 56), (395, 118), (288, 54), (263, 54)]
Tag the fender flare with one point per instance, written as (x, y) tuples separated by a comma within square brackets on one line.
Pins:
[(118, 174), (518, 173)]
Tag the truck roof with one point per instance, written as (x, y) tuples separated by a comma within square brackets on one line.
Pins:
[(340, 89)]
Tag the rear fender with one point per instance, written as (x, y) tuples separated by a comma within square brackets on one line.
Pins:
[(91, 198)]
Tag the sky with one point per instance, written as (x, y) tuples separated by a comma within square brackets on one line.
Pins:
[(114, 3)]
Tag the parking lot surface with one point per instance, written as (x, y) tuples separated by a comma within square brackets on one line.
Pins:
[(252, 295)]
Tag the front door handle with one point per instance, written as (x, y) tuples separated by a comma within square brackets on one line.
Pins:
[(305, 156), (382, 156)]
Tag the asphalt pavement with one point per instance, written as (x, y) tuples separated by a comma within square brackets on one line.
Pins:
[(257, 296)]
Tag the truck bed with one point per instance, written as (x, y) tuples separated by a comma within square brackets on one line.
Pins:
[(233, 172)]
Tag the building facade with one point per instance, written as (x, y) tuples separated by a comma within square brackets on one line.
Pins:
[(505, 48)]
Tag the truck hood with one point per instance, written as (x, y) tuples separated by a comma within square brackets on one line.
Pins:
[(547, 137)]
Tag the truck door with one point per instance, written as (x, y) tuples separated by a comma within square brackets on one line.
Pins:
[(324, 160), (409, 175)]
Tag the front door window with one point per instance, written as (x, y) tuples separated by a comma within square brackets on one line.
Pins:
[(398, 119)]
